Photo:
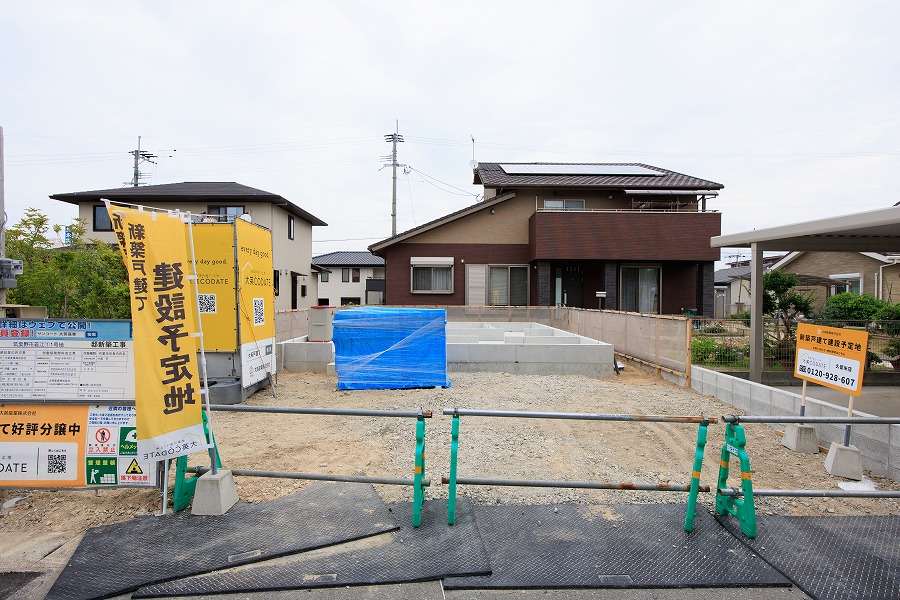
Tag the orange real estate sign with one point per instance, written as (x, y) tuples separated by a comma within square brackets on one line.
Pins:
[(831, 356)]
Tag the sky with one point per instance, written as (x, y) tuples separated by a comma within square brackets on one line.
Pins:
[(792, 106)]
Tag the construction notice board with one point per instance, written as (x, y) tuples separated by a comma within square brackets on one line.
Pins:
[(71, 446), (831, 356), (47, 360)]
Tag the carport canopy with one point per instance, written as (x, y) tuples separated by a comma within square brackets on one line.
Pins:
[(868, 231)]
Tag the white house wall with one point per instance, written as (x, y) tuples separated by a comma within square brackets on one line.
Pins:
[(334, 289)]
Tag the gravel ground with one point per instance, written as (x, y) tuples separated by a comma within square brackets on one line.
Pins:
[(500, 448)]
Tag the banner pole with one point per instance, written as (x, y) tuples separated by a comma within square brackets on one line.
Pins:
[(203, 375)]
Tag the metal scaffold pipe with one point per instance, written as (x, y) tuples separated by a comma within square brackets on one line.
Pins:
[(347, 412), (590, 485), (464, 412), (316, 476), (811, 420)]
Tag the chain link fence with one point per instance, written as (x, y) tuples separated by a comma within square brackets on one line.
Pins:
[(724, 344)]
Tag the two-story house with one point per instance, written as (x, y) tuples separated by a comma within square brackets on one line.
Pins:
[(350, 278), (873, 273), (291, 226), (629, 237)]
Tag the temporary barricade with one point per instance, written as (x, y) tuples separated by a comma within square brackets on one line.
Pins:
[(693, 488), (418, 482), (741, 502)]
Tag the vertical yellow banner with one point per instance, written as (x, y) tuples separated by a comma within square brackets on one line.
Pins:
[(214, 249), (167, 387), (256, 301)]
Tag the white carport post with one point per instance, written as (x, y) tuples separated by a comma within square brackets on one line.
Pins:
[(756, 318)]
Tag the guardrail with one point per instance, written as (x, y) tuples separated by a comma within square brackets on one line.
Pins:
[(692, 489)]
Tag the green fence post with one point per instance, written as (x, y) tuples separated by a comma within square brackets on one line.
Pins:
[(744, 509), (184, 485), (451, 487), (419, 472), (695, 477)]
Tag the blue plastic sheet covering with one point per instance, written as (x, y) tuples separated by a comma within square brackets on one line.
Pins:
[(381, 348)]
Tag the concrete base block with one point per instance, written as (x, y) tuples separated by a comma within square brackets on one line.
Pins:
[(330, 370), (800, 438), (215, 494), (843, 461)]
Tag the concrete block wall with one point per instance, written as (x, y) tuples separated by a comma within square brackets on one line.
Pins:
[(879, 445), (517, 348), (524, 349), (302, 356)]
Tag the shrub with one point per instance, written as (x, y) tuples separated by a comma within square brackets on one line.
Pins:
[(712, 351), (852, 307), (891, 316), (714, 328), (742, 315)]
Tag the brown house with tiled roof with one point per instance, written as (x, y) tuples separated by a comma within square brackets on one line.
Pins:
[(565, 234)]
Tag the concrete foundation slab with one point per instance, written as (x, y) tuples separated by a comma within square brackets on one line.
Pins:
[(215, 493), (800, 438), (844, 461)]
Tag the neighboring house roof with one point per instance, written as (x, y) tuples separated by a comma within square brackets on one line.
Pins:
[(348, 258), (724, 276), (225, 191), (597, 175)]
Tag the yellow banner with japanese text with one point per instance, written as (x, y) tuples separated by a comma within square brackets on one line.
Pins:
[(214, 249), (154, 246), (256, 299), (831, 356)]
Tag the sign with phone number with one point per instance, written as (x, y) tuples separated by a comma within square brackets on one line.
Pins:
[(831, 356)]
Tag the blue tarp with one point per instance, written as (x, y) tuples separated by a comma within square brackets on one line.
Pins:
[(381, 348)]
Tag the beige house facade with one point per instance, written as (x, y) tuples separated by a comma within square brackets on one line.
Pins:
[(294, 277), (873, 273)]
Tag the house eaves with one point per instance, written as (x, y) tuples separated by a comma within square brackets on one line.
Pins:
[(191, 191), (402, 237)]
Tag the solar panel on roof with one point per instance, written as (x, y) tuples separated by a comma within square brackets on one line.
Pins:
[(559, 169)]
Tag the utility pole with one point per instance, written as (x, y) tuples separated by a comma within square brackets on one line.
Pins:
[(140, 157), (394, 138)]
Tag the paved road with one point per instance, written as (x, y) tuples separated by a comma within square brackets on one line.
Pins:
[(882, 401)]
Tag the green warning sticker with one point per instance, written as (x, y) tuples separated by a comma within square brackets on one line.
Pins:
[(101, 471), (127, 441), (134, 468)]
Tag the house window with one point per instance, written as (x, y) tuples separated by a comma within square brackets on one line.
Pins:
[(101, 218), (508, 286), (845, 283), (355, 275), (345, 275), (226, 214), (431, 275), (346, 301), (303, 290), (323, 276), (639, 290), (323, 301), (564, 204), (275, 279), (290, 227)]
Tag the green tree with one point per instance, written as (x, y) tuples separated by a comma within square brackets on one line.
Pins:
[(782, 301), (84, 280)]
